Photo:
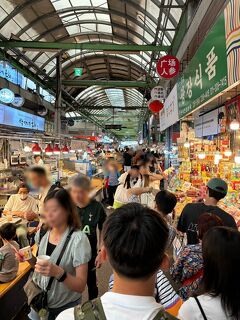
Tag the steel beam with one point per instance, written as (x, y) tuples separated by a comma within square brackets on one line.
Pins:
[(102, 83), (42, 45), (91, 107)]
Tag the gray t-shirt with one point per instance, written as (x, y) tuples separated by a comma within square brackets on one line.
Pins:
[(78, 252), (8, 262)]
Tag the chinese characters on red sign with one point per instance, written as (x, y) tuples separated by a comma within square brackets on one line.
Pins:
[(168, 67)]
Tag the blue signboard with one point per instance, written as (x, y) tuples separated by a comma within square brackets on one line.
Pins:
[(20, 119), (12, 75), (6, 95), (18, 101)]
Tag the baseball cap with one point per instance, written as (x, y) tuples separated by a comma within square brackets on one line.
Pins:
[(218, 185)]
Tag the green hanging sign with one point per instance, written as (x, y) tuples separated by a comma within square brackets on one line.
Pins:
[(78, 72), (206, 74)]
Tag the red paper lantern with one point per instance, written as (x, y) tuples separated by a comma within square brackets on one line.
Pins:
[(155, 106), (168, 67)]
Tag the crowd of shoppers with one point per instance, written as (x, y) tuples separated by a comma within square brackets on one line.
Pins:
[(76, 237)]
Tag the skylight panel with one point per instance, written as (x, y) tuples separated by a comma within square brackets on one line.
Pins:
[(60, 4), (103, 17), (100, 3), (104, 28), (116, 97), (73, 29)]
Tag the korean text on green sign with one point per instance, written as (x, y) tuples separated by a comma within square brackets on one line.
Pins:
[(206, 74)]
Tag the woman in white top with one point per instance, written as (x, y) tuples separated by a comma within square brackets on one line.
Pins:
[(221, 281), (130, 188)]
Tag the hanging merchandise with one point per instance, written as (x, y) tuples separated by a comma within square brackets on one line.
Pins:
[(155, 105), (168, 67)]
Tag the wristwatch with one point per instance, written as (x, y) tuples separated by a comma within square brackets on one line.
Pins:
[(63, 277)]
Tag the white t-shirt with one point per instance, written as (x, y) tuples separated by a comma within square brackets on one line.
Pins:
[(16, 204), (125, 307), (211, 306)]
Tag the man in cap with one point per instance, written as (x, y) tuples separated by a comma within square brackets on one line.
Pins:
[(216, 190)]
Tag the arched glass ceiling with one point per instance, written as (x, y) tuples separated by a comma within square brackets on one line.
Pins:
[(110, 21), (113, 106), (127, 21)]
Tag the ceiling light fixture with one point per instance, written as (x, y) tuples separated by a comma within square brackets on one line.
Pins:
[(234, 125)]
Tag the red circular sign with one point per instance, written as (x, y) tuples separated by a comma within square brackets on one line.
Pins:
[(168, 67), (155, 105)]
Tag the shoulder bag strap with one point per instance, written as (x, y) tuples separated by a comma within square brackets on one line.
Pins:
[(91, 310), (98, 304), (201, 309), (60, 258)]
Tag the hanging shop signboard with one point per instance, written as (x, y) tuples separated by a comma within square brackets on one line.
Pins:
[(210, 123), (168, 67), (158, 93), (206, 74), (9, 73), (18, 101), (6, 95), (169, 114), (78, 72), (20, 119), (90, 138)]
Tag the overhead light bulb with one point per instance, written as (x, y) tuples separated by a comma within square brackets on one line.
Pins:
[(201, 155), (27, 149), (218, 155), (228, 153), (187, 144), (234, 125), (237, 159)]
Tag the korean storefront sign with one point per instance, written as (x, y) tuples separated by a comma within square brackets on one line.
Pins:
[(20, 119), (169, 114), (206, 74), (9, 73)]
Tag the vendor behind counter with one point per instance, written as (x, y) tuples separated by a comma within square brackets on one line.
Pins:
[(24, 206)]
